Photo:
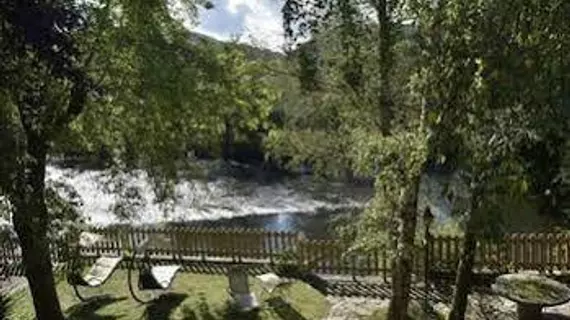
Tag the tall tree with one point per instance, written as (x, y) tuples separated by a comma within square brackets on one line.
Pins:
[(42, 70), (363, 127), (487, 90), (385, 11), (487, 84), (116, 72)]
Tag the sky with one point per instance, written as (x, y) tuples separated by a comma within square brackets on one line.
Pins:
[(255, 21)]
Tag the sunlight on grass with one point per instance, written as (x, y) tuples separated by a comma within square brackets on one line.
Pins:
[(192, 297)]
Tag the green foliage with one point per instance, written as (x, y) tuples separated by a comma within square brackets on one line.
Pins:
[(239, 91), (397, 161), (115, 75), (488, 95), (65, 217), (308, 60), (322, 150), (489, 100), (164, 94), (182, 105), (357, 115), (475, 85)]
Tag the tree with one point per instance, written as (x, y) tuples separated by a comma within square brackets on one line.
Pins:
[(480, 93), (241, 95), (487, 90), (360, 127), (123, 70), (41, 71)]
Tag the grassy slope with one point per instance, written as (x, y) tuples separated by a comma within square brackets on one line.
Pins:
[(192, 297)]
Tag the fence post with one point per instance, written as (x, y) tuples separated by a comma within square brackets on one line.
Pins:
[(428, 218), (300, 255), (269, 240), (201, 241), (173, 234), (384, 264)]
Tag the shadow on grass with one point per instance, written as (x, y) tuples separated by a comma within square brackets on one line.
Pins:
[(163, 306), (229, 312), (86, 310), (203, 311), (5, 302), (284, 309), (221, 268)]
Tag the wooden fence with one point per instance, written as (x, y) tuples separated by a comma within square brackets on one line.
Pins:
[(546, 252), (198, 243)]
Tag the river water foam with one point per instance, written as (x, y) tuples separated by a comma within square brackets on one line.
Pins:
[(226, 197), (223, 197)]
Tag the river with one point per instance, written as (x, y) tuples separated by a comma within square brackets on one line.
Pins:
[(284, 204)]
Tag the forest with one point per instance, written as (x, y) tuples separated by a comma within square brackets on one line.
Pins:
[(377, 90)]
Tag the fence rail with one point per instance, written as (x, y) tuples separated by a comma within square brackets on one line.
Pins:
[(546, 252)]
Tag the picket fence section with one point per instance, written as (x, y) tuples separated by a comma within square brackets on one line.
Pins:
[(546, 252), (196, 243)]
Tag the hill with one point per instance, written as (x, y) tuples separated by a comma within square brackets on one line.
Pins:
[(251, 51)]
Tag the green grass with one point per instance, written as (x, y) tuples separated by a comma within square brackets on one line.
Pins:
[(192, 297)]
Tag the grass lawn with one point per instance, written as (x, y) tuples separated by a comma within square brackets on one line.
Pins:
[(192, 297)]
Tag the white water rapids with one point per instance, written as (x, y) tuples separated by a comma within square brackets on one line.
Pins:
[(223, 197), (286, 204), (226, 197)]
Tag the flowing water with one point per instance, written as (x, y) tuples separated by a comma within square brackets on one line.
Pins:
[(288, 204)]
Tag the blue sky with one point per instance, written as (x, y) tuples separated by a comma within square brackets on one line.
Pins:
[(255, 21)]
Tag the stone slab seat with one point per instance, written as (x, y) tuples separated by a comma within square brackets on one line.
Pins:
[(158, 277), (98, 273)]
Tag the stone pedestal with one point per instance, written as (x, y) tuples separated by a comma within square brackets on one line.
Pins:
[(531, 293), (529, 311)]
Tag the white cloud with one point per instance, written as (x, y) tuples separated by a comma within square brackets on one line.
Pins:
[(264, 25), (257, 22)]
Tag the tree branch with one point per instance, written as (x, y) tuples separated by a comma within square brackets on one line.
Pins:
[(75, 107), (82, 85)]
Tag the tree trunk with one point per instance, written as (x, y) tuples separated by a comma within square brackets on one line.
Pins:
[(402, 265), (464, 274), (35, 251), (31, 224), (385, 64), (228, 140)]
